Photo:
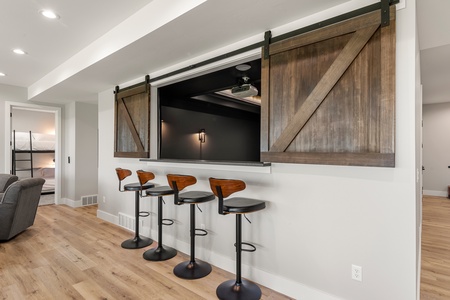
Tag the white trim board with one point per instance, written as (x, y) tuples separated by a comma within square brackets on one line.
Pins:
[(434, 193)]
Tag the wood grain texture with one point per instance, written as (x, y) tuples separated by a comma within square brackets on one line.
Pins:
[(145, 176), (331, 93), (122, 173), (71, 254), (181, 181), (435, 269), (331, 31), (132, 122), (387, 112), (227, 186), (331, 158), (323, 87), (265, 103)]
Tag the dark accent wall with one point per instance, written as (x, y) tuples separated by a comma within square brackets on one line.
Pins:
[(227, 138)]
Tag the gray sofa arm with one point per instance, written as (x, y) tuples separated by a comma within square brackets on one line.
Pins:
[(6, 180), (18, 206)]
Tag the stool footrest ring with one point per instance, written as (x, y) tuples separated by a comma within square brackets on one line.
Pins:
[(167, 222), (252, 247), (144, 214), (203, 232)]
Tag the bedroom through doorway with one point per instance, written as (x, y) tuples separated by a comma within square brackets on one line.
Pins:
[(33, 147)]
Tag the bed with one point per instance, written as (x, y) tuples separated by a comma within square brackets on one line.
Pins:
[(37, 162), (49, 175), (40, 142)]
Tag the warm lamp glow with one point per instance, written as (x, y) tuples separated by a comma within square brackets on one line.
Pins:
[(201, 136)]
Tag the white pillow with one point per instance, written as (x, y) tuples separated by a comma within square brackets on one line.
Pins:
[(22, 136), (43, 137)]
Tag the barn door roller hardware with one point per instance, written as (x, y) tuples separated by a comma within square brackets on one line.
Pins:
[(146, 81), (385, 16), (268, 39)]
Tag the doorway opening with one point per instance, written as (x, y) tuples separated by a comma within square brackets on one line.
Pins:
[(215, 115), (34, 147)]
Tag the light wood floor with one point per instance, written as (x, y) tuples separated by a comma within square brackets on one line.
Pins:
[(71, 254), (435, 274)]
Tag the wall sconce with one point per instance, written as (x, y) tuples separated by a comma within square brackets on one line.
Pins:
[(201, 136)]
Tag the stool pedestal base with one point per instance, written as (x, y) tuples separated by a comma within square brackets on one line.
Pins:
[(231, 290), (192, 270), (160, 253), (137, 243)]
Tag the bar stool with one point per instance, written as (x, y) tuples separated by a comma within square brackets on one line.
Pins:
[(137, 242), (222, 188), (161, 252), (192, 269)]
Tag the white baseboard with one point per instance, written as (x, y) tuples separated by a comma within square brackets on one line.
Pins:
[(70, 202), (435, 193), (275, 282), (107, 217)]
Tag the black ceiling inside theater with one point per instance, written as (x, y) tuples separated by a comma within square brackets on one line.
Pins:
[(199, 93)]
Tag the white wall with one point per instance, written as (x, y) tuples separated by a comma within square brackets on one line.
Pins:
[(13, 94), (37, 121), (436, 148), (86, 160), (319, 220), (69, 181), (80, 175)]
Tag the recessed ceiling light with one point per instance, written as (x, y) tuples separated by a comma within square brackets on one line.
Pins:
[(19, 51), (49, 14), (2, 74)]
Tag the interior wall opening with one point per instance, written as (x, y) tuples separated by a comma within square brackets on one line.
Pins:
[(213, 117)]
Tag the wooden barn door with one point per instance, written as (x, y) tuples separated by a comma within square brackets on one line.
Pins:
[(132, 122), (328, 96)]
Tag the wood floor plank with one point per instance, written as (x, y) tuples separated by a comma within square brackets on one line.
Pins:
[(71, 254), (12, 292), (76, 257), (56, 285), (435, 264), (91, 290)]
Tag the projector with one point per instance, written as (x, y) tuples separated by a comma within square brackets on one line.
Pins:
[(245, 90)]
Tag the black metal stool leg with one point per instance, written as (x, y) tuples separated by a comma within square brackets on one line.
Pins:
[(161, 252), (137, 242), (238, 289), (192, 269)]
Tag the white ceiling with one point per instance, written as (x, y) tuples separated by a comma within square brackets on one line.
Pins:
[(98, 44), (51, 42)]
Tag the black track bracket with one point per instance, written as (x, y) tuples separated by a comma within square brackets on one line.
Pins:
[(385, 13), (267, 37)]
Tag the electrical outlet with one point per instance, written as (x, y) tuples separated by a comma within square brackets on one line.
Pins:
[(104, 199), (356, 273)]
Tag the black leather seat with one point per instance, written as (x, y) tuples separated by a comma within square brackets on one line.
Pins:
[(161, 252), (236, 288), (136, 187), (194, 268)]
